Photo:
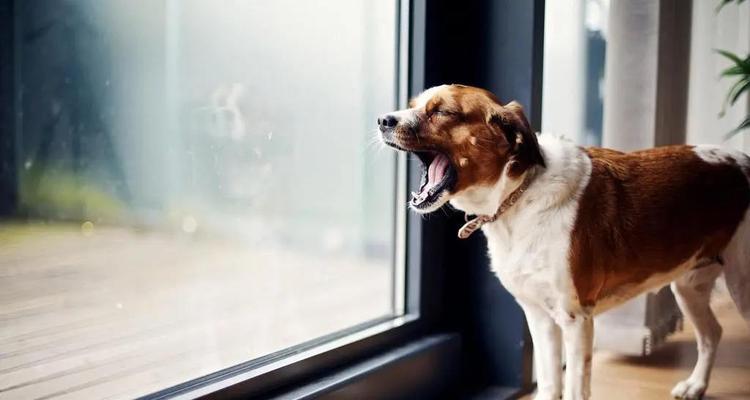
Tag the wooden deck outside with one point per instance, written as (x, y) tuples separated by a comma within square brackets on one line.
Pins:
[(118, 314)]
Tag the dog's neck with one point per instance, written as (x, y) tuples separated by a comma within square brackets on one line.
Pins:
[(486, 199), (563, 159)]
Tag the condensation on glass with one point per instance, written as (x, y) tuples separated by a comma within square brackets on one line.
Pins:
[(197, 186)]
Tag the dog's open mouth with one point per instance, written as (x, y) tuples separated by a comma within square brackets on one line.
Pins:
[(438, 177)]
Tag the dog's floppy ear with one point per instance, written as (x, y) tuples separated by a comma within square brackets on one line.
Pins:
[(522, 141)]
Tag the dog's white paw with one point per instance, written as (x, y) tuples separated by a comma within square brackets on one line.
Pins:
[(689, 390)]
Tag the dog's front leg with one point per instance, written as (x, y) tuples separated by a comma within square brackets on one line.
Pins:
[(547, 352), (578, 335)]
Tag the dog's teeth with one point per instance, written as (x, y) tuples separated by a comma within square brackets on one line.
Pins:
[(414, 194)]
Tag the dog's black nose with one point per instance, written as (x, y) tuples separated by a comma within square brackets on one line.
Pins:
[(387, 122)]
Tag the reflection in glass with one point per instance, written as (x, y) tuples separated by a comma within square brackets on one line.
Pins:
[(195, 188)]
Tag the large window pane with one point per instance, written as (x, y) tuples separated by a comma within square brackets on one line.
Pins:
[(197, 188)]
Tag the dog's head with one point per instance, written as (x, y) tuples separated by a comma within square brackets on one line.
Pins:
[(464, 138)]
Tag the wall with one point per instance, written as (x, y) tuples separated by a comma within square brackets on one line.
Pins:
[(729, 29)]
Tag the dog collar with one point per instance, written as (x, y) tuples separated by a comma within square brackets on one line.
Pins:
[(472, 225)]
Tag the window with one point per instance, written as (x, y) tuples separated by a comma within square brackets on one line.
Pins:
[(196, 186), (575, 44)]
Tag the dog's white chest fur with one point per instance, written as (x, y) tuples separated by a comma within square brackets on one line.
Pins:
[(534, 267), (529, 245)]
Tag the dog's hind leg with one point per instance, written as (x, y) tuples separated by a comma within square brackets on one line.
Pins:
[(693, 294), (737, 267)]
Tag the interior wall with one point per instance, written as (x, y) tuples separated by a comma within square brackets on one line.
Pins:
[(728, 29)]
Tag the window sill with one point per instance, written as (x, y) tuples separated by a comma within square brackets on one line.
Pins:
[(424, 368), (298, 364)]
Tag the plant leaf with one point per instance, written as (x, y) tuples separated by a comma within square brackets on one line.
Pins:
[(743, 86), (730, 55), (735, 70), (735, 88), (731, 94), (744, 125)]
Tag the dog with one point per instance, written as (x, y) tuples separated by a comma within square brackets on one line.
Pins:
[(573, 231)]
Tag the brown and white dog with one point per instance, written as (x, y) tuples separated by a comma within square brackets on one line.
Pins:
[(575, 231)]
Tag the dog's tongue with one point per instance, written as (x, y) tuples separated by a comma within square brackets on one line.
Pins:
[(436, 171)]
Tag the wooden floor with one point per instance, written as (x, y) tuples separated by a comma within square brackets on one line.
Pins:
[(652, 378), (116, 313)]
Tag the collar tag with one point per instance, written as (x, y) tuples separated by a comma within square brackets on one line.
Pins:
[(472, 226)]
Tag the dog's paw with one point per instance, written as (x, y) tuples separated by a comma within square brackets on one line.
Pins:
[(689, 390)]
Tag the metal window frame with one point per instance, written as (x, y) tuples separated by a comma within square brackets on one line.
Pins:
[(8, 163)]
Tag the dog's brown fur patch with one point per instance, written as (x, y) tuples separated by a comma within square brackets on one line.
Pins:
[(647, 212)]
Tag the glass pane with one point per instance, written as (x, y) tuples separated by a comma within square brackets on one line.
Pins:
[(196, 188)]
